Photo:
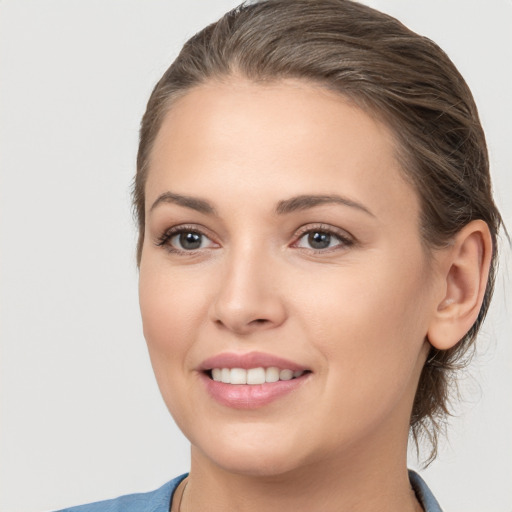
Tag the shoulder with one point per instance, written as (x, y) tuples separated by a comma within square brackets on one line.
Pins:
[(154, 501), (423, 493)]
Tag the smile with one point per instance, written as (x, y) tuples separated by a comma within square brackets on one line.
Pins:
[(253, 376), (251, 380)]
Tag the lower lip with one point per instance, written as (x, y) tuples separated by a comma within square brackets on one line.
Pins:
[(245, 396)]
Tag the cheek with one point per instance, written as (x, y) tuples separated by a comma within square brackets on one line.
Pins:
[(171, 313), (370, 327), (376, 304)]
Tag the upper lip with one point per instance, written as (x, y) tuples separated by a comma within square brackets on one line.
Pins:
[(249, 360)]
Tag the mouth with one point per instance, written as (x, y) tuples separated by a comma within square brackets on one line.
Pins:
[(252, 380)]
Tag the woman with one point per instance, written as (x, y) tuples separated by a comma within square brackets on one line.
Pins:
[(317, 248)]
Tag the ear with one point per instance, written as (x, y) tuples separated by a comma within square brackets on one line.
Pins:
[(465, 269)]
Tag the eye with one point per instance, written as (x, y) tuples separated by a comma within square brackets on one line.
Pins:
[(183, 239), (320, 239), (188, 241)]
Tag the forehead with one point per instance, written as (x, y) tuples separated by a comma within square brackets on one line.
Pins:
[(298, 135)]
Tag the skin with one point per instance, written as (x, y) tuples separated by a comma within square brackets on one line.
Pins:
[(356, 314)]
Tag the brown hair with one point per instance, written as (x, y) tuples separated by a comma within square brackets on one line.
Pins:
[(386, 69)]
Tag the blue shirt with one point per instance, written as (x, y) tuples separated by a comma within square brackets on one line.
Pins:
[(160, 500)]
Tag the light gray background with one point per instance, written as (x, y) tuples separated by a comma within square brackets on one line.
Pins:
[(81, 415)]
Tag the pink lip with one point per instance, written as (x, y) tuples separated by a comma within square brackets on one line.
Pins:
[(249, 360), (241, 396)]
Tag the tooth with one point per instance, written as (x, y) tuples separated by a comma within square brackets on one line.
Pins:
[(238, 376), (272, 374), (256, 376), (285, 375), (225, 375)]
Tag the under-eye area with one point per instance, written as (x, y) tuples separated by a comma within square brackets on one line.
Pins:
[(254, 376)]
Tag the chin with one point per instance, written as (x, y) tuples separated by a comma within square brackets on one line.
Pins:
[(253, 454), (261, 464)]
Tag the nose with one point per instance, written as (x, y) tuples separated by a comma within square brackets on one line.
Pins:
[(249, 298)]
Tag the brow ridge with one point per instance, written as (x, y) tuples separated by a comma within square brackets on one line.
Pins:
[(286, 206), (200, 205), (303, 202)]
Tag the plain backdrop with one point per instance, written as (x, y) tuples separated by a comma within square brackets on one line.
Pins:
[(81, 415)]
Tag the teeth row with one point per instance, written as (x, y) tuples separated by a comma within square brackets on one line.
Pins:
[(253, 375)]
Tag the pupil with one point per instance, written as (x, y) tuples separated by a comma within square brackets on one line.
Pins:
[(190, 240), (319, 240)]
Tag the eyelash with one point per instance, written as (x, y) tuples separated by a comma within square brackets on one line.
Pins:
[(344, 239), (164, 239)]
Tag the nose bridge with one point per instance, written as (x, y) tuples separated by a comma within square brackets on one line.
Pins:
[(248, 297)]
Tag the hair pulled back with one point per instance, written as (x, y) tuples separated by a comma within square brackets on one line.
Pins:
[(389, 71)]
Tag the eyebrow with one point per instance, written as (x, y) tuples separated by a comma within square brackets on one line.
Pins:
[(194, 203), (309, 201), (297, 203)]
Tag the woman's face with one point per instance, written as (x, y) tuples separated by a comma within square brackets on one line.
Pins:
[(280, 235)]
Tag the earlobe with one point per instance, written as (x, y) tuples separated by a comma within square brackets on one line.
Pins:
[(465, 270)]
